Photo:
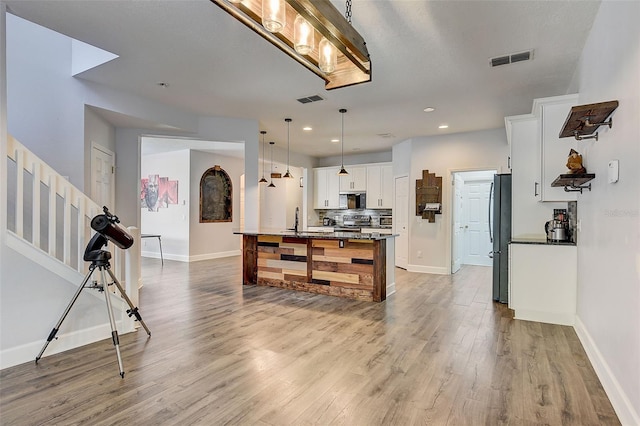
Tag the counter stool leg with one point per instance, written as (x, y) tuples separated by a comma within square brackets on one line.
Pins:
[(161, 256)]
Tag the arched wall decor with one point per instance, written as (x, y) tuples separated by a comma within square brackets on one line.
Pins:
[(216, 196)]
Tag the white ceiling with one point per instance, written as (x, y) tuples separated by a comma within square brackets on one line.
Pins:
[(423, 53)]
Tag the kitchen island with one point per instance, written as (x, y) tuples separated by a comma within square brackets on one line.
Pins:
[(344, 264)]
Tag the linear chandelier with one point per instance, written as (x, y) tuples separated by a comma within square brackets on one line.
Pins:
[(313, 32)]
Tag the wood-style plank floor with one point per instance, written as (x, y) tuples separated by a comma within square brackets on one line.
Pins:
[(438, 352)]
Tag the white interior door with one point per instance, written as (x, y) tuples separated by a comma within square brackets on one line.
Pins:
[(102, 176), (477, 241), (401, 221), (457, 248)]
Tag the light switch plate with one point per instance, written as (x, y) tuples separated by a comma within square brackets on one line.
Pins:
[(613, 171)]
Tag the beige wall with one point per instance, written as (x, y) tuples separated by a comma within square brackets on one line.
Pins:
[(429, 243)]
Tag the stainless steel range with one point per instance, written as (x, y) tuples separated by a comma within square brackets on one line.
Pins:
[(353, 223)]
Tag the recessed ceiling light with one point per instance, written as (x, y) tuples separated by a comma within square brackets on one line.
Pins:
[(335, 140), (429, 109), (443, 126), (307, 129)]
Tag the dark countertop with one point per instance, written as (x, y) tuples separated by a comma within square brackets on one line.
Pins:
[(541, 241), (317, 235)]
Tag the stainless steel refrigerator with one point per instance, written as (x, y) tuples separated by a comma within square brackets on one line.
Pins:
[(500, 233)]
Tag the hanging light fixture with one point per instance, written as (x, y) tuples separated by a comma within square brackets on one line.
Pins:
[(263, 180), (342, 171), (288, 174), (312, 20), (328, 56), (271, 185), (303, 36), (274, 16)]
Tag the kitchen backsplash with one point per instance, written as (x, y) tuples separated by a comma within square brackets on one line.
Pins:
[(337, 215)]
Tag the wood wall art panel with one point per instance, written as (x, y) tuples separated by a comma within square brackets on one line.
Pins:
[(429, 196)]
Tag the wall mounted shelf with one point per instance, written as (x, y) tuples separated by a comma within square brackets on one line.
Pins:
[(429, 196), (574, 182), (585, 119)]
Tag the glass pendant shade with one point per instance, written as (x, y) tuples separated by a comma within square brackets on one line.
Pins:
[(303, 38), (328, 56), (274, 16)]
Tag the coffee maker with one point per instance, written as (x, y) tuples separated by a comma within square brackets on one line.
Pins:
[(558, 228)]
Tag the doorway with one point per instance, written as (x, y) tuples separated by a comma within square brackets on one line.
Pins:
[(102, 175), (471, 242), (401, 221)]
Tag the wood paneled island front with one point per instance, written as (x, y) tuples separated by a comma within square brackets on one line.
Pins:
[(344, 264)]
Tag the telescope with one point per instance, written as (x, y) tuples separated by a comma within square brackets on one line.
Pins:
[(108, 229)]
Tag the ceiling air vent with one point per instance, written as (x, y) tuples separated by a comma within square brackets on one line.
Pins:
[(309, 99), (512, 58)]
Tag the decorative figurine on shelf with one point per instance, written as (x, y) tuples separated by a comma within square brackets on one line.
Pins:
[(574, 163)]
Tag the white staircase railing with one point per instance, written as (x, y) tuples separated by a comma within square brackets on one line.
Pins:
[(50, 213)]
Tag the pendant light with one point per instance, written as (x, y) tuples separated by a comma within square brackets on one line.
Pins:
[(263, 180), (303, 36), (271, 185), (288, 174), (327, 56), (274, 16), (342, 171)]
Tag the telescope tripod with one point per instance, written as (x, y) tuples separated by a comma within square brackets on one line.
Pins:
[(101, 262)]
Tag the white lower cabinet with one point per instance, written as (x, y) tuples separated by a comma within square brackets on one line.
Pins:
[(543, 282)]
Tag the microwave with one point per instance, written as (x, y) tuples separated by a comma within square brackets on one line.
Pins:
[(353, 200), (386, 220)]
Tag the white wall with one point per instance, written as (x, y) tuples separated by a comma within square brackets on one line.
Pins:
[(402, 158), (29, 311), (429, 244), (211, 240), (352, 159), (45, 104), (171, 222), (609, 240)]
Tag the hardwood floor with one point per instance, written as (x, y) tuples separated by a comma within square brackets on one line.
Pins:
[(438, 352)]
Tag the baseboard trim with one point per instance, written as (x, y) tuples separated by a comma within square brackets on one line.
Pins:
[(439, 270), (218, 255), (546, 317), (391, 288), (196, 258), (619, 400), (63, 342)]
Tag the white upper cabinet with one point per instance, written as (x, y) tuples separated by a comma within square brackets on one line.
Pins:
[(551, 114), (379, 186), (356, 180), (527, 213), (326, 188)]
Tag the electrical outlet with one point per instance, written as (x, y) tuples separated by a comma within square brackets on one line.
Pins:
[(341, 244), (419, 254)]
